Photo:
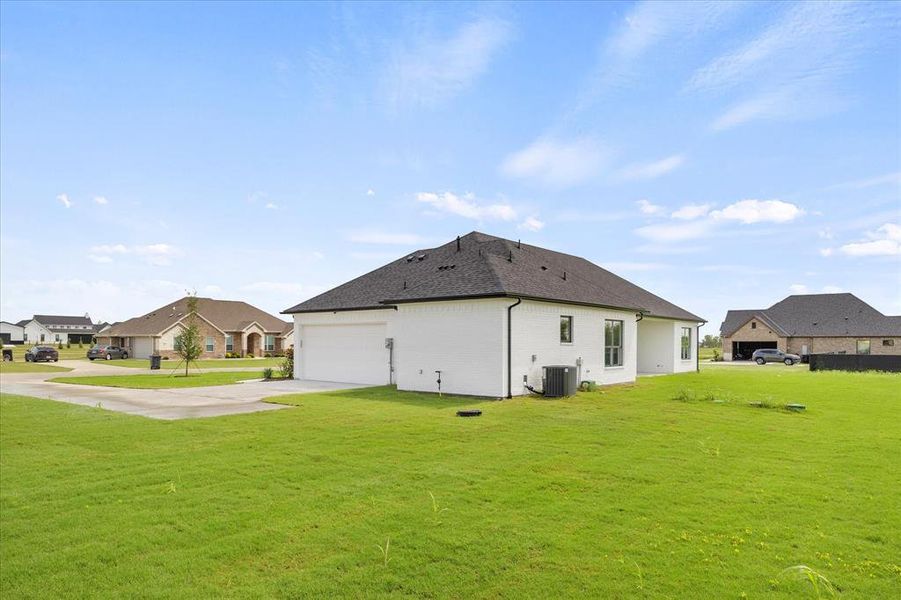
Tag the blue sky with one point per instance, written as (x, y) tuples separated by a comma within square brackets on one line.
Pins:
[(721, 155)]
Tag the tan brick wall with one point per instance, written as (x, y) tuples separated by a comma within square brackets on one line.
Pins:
[(762, 333), (205, 330), (848, 345)]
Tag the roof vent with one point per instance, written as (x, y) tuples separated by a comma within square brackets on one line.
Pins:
[(564, 275), (446, 267), (410, 258), (543, 268), (421, 257)]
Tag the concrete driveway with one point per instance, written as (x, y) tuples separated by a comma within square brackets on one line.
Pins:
[(184, 403)]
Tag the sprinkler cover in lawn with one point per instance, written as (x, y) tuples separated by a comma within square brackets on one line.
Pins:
[(469, 413)]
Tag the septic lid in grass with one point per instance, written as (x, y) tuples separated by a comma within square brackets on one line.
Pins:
[(795, 406), (469, 413)]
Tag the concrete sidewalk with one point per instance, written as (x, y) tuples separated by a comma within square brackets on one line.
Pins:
[(183, 403)]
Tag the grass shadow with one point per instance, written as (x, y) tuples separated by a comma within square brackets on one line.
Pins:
[(390, 394)]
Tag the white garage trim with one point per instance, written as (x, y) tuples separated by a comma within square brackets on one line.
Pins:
[(347, 353)]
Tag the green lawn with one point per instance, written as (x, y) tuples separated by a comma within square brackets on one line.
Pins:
[(224, 363), (24, 367), (620, 493), (158, 382), (707, 353), (64, 353)]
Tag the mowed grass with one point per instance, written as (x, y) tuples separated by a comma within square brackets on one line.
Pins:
[(214, 363), (24, 367), (162, 381), (623, 492), (73, 352)]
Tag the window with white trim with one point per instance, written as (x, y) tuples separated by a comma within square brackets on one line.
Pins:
[(229, 343), (269, 343), (686, 343), (210, 344), (613, 343)]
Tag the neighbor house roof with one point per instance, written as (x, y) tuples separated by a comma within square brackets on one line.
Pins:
[(484, 266), (818, 315), (24, 322), (62, 320), (227, 315)]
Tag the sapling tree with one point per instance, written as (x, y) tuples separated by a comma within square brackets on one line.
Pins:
[(188, 344)]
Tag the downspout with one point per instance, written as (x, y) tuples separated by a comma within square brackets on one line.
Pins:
[(510, 347), (698, 346)]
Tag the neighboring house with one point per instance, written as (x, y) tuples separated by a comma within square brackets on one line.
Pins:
[(226, 326), (58, 329), (489, 313), (11, 333), (811, 324)]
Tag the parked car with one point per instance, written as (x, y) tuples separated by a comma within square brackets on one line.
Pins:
[(42, 353), (107, 352), (766, 355)]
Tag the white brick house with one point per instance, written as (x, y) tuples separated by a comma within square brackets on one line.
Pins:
[(489, 314)]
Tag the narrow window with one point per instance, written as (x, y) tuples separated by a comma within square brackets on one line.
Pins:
[(686, 343), (229, 343), (613, 343), (269, 343), (42, 337), (863, 346), (209, 344), (753, 324), (888, 342), (566, 330)]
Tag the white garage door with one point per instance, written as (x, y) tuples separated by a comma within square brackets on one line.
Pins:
[(142, 347), (345, 353)]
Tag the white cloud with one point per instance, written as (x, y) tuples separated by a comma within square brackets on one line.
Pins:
[(674, 232), (370, 192), (279, 287), (64, 200), (432, 70), (272, 206), (885, 241), (101, 200), (154, 254), (692, 211), (383, 237), (531, 224), (652, 170), (467, 206), (792, 68), (647, 208), (826, 252), (557, 163), (798, 288), (758, 211)]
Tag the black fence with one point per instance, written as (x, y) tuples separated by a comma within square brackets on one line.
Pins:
[(855, 362)]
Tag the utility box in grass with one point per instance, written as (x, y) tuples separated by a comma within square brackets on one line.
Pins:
[(155, 362)]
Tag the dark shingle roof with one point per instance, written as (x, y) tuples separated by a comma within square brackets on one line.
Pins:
[(488, 266), (816, 315), (62, 320)]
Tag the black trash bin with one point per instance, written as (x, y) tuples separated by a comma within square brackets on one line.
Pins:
[(155, 362)]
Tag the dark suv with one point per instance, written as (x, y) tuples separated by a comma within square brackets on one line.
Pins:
[(42, 353), (107, 352), (766, 355)]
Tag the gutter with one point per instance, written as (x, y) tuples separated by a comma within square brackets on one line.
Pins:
[(510, 347), (698, 346)]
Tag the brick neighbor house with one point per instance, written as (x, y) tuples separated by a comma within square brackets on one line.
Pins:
[(225, 326), (811, 324)]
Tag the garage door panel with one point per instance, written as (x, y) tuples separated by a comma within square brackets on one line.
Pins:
[(346, 353), (141, 347)]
